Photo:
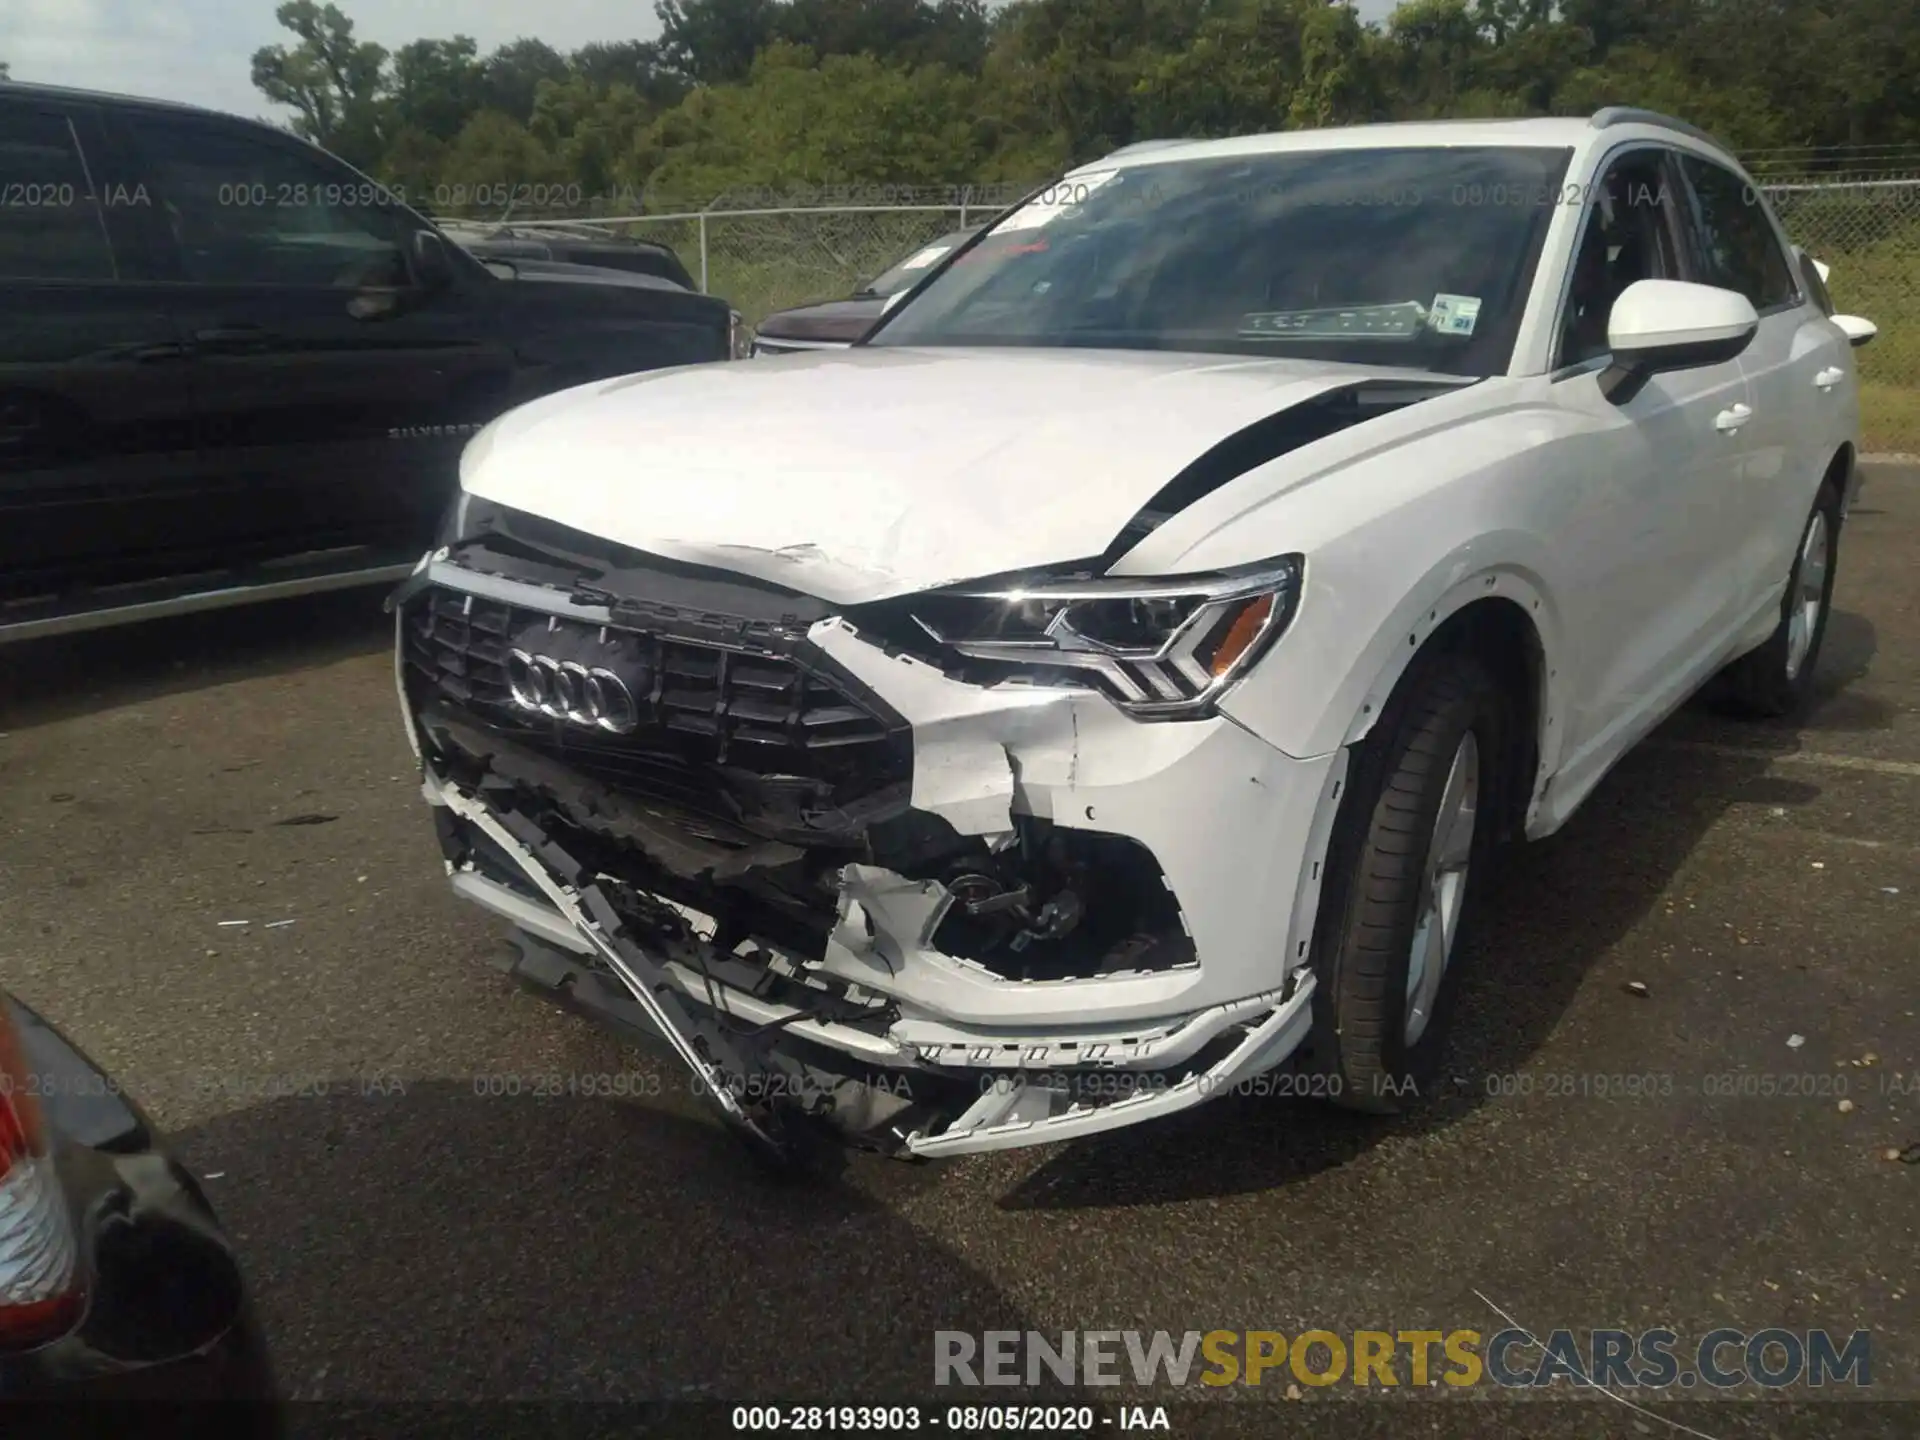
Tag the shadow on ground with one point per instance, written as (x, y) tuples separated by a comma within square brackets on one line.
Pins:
[(566, 1248), (43, 681)]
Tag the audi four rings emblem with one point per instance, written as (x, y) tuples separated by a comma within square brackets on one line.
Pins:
[(568, 690)]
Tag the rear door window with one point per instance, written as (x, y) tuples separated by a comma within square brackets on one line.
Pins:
[(1736, 244), (51, 226)]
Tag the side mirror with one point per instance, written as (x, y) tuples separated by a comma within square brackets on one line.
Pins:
[(1858, 331), (432, 266), (1662, 325)]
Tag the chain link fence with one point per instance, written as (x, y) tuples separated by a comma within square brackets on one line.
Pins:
[(768, 260), (1868, 230), (764, 258)]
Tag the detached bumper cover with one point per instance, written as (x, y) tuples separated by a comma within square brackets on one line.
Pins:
[(845, 887)]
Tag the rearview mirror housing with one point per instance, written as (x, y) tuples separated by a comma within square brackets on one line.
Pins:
[(432, 266), (1858, 331), (1662, 325)]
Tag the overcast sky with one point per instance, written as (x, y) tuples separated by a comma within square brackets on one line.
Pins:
[(199, 50)]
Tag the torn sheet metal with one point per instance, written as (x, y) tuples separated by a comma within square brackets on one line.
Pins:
[(962, 734), (589, 913)]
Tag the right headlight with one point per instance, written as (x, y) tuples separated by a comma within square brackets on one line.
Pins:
[(1160, 649)]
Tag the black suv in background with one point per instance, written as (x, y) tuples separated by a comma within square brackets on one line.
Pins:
[(232, 367), (576, 244)]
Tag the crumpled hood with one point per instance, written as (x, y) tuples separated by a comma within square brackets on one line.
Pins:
[(861, 474)]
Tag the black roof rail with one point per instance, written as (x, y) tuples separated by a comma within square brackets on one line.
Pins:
[(1632, 115)]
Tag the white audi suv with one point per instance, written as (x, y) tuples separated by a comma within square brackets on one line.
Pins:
[(1108, 680)]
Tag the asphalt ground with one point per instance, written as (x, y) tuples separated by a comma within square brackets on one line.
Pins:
[(423, 1220)]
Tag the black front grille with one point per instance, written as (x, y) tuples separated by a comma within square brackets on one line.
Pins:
[(733, 733)]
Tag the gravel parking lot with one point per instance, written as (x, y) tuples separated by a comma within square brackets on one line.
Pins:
[(433, 1225)]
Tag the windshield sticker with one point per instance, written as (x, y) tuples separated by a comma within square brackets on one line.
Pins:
[(1454, 314), (924, 258), (1053, 202), (1353, 322)]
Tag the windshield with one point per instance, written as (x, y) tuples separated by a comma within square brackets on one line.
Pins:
[(908, 272), (1419, 257)]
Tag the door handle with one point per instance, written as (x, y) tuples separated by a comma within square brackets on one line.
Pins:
[(1732, 418), (1830, 377), (231, 335)]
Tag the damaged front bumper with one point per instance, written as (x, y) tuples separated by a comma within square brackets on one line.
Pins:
[(848, 890)]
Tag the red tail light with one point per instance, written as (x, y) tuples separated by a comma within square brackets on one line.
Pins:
[(40, 1291)]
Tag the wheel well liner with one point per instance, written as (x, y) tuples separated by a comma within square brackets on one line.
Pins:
[(1503, 636)]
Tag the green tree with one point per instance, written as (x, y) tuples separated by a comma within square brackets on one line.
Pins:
[(714, 42), (331, 81), (592, 130), (1076, 66), (637, 64), (908, 32), (5, 73), (437, 86), (412, 164), (493, 158), (1257, 65), (511, 76), (803, 121)]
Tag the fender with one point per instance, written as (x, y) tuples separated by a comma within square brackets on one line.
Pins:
[(1349, 707)]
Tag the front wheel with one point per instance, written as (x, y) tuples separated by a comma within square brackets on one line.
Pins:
[(1412, 843), (1777, 679)]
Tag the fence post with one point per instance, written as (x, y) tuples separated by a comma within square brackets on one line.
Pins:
[(703, 252), (965, 194)]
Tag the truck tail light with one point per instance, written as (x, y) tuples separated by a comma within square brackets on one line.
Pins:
[(40, 1290)]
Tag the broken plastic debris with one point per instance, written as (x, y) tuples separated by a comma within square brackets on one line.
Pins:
[(1846, 1107), (229, 924), (214, 1175), (1638, 987), (1889, 889), (311, 819), (278, 924), (1794, 1042), (1819, 865)]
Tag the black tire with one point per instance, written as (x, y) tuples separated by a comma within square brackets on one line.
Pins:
[(1375, 892), (1762, 684)]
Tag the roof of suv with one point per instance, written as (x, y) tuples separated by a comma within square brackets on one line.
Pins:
[(1567, 132), (108, 97)]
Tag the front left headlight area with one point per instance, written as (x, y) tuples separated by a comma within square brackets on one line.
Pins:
[(1159, 649)]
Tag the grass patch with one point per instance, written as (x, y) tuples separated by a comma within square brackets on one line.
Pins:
[(1889, 419), (1871, 238)]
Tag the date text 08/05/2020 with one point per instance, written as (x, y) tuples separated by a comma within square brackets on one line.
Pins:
[(953, 1420)]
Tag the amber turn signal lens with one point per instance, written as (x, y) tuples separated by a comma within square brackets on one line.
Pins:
[(1240, 635)]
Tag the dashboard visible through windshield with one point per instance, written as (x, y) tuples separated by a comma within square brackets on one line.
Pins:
[(1420, 256)]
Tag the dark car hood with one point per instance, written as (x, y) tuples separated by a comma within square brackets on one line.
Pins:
[(845, 320), (564, 273)]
